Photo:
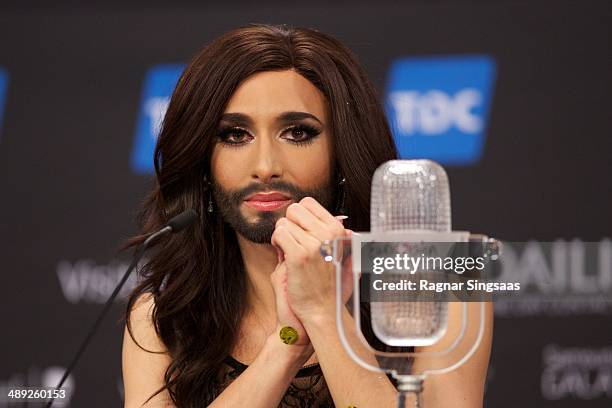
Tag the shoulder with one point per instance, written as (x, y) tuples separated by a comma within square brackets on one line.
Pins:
[(144, 356), (141, 320)]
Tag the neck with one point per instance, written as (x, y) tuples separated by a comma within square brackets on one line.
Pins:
[(260, 260)]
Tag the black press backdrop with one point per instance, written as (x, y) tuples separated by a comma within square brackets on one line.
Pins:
[(68, 195)]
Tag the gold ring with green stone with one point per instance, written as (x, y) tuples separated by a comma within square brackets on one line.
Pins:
[(288, 335)]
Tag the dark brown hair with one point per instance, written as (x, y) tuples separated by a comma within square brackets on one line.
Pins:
[(198, 286)]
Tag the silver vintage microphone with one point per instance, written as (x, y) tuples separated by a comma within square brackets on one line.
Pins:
[(410, 208), (410, 196)]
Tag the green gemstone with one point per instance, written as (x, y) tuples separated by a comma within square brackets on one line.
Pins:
[(289, 335)]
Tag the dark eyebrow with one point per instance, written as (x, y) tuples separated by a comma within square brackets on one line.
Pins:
[(293, 116), (240, 119)]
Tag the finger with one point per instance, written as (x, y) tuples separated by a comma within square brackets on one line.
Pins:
[(283, 239), (319, 211), (303, 238), (341, 218), (278, 277), (332, 223), (304, 218), (280, 256), (279, 252)]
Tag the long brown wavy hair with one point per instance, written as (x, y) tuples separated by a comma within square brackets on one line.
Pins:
[(197, 277)]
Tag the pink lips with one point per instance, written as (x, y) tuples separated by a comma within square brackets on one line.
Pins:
[(267, 201)]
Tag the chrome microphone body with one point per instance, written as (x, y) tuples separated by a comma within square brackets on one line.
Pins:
[(410, 196)]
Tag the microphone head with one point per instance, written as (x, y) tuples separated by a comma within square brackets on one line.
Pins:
[(409, 195), (183, 220)]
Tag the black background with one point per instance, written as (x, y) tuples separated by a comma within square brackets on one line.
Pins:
[(68, 193)]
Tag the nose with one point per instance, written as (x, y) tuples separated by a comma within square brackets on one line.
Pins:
[(267, 161)]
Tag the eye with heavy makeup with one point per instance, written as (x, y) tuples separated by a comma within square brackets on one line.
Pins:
[(299, 134)]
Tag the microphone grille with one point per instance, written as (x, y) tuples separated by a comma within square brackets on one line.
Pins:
[(410, 195)]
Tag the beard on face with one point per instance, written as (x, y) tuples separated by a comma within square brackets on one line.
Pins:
[(228, 203)]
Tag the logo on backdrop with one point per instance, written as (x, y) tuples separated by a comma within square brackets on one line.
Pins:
[(576, 373), (3, 87), (557, 271), (159, 83), (85, 281), (438, 107)]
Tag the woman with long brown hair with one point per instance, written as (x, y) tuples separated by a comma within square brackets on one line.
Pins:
[(271, 132)]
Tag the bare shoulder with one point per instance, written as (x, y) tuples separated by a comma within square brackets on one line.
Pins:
[(141, 323), (144, 358)]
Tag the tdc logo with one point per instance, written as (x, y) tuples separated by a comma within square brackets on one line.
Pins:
[(158, 86), (438, 107), (3, 86)]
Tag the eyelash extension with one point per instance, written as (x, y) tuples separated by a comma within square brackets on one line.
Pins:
[(224, 133), (311, 133)]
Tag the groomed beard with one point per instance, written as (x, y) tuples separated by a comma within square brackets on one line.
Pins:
[(228, 204)]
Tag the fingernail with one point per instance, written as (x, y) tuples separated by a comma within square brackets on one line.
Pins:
[(341, 218)]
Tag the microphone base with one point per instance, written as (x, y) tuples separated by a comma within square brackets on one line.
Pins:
[(409, 383)]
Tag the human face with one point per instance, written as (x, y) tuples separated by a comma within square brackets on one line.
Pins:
[(273, 148)]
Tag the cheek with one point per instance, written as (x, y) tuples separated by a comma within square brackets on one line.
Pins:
[(226, 170), (312, 168)]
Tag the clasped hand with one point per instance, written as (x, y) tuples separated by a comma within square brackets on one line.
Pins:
[(305, 285)]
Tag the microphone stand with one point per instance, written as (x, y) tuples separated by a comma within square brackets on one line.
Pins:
[(176, 224), (409, 383)]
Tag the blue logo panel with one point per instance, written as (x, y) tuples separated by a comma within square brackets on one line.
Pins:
[(3, 88), (159, 84), (438, 107)]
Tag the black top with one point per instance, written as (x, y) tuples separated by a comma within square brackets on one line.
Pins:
[(307, 390)]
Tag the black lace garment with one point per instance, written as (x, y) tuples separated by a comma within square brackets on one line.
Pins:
[(307, 390)]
